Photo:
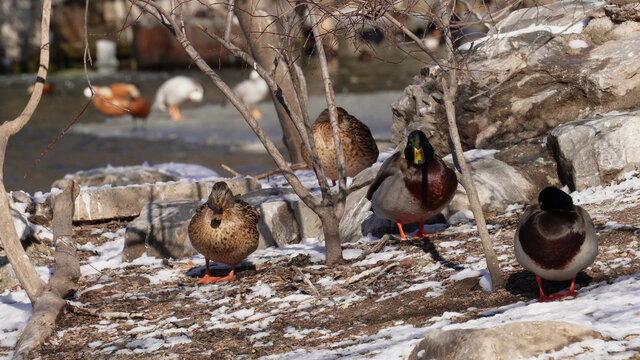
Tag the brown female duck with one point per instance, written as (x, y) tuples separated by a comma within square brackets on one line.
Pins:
[(358, 145), (414, 187), (224, 229)]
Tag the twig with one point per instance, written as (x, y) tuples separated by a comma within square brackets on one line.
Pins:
[(229, 21), (306, 280), (108, 315), (277, 171), (380, 273), (362, 275), (233, 172), (377, 247)]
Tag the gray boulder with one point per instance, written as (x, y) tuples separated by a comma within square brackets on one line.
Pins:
[(498, 184), (120, 202), (161, 230), (510, 341), (534, 80), (284, 218), (591, 151)]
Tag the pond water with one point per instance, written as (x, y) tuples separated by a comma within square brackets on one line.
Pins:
[(211, 135)]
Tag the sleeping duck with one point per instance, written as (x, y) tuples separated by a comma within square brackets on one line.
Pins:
[(413, 185), (252, 91), (224, 229), (555, 240), (174, 92), (358, 145), (119, 99)]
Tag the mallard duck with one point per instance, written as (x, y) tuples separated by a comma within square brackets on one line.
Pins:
[(413, 185), (358, 145), (555, 240), (119, 99), (174, 92), (252, 91), (224, 229)]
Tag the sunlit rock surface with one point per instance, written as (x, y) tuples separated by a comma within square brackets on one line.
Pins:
[(510, 341), (590, 151)]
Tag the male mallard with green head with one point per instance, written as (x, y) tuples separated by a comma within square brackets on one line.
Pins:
[(224, 229), (555, 240), (359, 147), (414, 187)]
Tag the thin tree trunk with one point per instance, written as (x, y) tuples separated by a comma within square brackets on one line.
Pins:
[(262, 38), (449, 89), (49, 305), (26, 273)]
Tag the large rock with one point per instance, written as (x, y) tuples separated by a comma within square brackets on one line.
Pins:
[(121, 202), (284, 218), (510, 341), (161, 230), (590, 151), (498, 184), (531, 81), (117, 176)]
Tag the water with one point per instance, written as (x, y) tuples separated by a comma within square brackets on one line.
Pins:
[(211, 136)]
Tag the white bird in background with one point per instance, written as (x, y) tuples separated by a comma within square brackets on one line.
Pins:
[(252, 91), (174, 92)]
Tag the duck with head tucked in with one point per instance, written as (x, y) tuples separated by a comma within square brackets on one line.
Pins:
[(174, 92), (412, 185), (359, 147), (555, 240), (224, 229), (119, 99)]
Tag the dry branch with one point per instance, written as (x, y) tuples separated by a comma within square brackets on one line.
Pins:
[(278, 171), (49, 305), (24, 270), (306, 280), (108, 315)]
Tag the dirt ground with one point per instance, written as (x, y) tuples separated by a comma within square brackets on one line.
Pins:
[(131, 292)]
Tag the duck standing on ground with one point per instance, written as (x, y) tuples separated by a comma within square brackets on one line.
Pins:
[(225, 230), (413, 185), (252, 91), (555, 240), (359, 147), (174, 92), (119, 99)]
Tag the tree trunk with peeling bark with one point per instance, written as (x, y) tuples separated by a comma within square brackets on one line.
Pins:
[(24, 270), (261, 31), (49, 305)]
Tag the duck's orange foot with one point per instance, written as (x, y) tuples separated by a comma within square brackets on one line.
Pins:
[(256, 114), (570, 293), (175, 114), (208, 279), (421, 232), (545, 298)]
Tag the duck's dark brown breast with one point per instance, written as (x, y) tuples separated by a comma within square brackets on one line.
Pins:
[(436, 188), (552, 238)]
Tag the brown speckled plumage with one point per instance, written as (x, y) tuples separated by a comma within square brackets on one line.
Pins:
[(358, 145), (228, 236)]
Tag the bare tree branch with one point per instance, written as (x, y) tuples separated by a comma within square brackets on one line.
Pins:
[(26, 273), (48, 306)]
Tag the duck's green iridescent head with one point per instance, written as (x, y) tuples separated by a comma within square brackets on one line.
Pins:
[(418, 150), (552, 198)]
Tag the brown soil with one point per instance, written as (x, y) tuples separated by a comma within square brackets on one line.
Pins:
[(178, 306)]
